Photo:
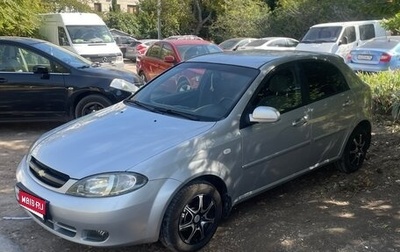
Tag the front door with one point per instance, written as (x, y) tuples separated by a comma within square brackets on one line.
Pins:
[(273, 152), (26, 94)]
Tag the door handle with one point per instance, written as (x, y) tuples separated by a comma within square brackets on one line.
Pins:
[(2, 80), (300, 121)]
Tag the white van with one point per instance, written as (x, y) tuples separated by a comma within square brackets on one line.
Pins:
[(340, 37), (83, 33)]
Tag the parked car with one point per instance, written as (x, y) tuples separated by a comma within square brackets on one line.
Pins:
[(138, 48), (188, 36), (375, 55), (234, 43), (251, 122), (165, 53), (124, 42), (42, 81), (271, 43)]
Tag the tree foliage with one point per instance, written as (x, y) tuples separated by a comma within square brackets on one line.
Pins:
[(240, 19), (293, 17), (66, 6), (18, 17), (122, 21)]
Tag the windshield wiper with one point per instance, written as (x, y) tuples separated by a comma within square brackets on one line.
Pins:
[(164, 110), (177, 113), (142, 105)]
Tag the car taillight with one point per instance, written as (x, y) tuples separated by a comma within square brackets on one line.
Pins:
[(348, 57), (385, 57)]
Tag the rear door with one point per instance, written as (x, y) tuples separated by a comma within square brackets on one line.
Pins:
[(26, 93), (331, 108)]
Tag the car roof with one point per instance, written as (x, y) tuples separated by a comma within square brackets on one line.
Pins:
[(258, 58), (187, 42), (22, 40)]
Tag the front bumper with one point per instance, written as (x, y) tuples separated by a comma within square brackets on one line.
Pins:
[(128, 219)]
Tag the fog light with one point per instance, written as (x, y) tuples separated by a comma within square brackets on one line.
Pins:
[(95, 235)]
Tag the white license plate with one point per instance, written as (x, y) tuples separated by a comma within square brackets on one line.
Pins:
[(364, 57)]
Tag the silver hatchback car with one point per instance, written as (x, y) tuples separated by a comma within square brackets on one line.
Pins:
[(172, 160)]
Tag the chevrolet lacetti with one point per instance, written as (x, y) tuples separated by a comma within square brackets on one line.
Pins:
[(171, 161)]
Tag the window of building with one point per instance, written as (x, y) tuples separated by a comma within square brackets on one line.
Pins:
[(97, 7), (134, 9)]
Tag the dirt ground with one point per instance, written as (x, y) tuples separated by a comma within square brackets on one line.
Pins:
[(325, 210)]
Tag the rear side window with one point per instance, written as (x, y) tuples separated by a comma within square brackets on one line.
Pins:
[(322, 80), (367, 31)]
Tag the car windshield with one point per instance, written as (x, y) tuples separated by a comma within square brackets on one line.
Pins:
[(327, 34), (86, 34), (63, 54), (195, 91), (193, 50), (258, 42)]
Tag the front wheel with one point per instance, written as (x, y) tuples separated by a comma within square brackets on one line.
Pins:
[(355, 150), (90, 104), (192, 217)]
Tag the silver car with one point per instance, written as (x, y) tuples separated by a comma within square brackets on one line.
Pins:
[(172, 160)]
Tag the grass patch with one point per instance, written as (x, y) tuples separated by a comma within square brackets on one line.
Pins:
[(385, 87)]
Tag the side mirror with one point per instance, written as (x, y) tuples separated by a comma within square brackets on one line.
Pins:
[(343, 41), (44, 71), (264, 114), (169, 59)]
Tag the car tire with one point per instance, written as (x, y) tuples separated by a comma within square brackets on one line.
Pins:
[(192, 217), (90, 104), (143, 76), (355, 150)]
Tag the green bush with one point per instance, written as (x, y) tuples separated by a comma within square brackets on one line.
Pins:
[(385, 88)]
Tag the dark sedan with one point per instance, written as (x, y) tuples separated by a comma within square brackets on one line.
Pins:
[(40, 81)]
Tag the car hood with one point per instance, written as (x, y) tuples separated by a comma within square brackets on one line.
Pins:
[(112, 73), (114, 139)]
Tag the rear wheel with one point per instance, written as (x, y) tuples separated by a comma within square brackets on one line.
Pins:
[(355, 151), (90, 104), (192, 217)]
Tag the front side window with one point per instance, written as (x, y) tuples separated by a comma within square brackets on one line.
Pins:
[(62, 37), (323, 80), (281, 91), (16, 59), (349, 34), (196, 91), (154, 51)]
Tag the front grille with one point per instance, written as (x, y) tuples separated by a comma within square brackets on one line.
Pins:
[(47, 175), (101, 58)]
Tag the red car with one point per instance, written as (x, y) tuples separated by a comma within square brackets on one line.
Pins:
[(165, 53)]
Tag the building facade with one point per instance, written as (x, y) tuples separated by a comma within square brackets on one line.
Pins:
[(130, 6)]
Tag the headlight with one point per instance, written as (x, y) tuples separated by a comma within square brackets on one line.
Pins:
[(123, 85), (107, 184)]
